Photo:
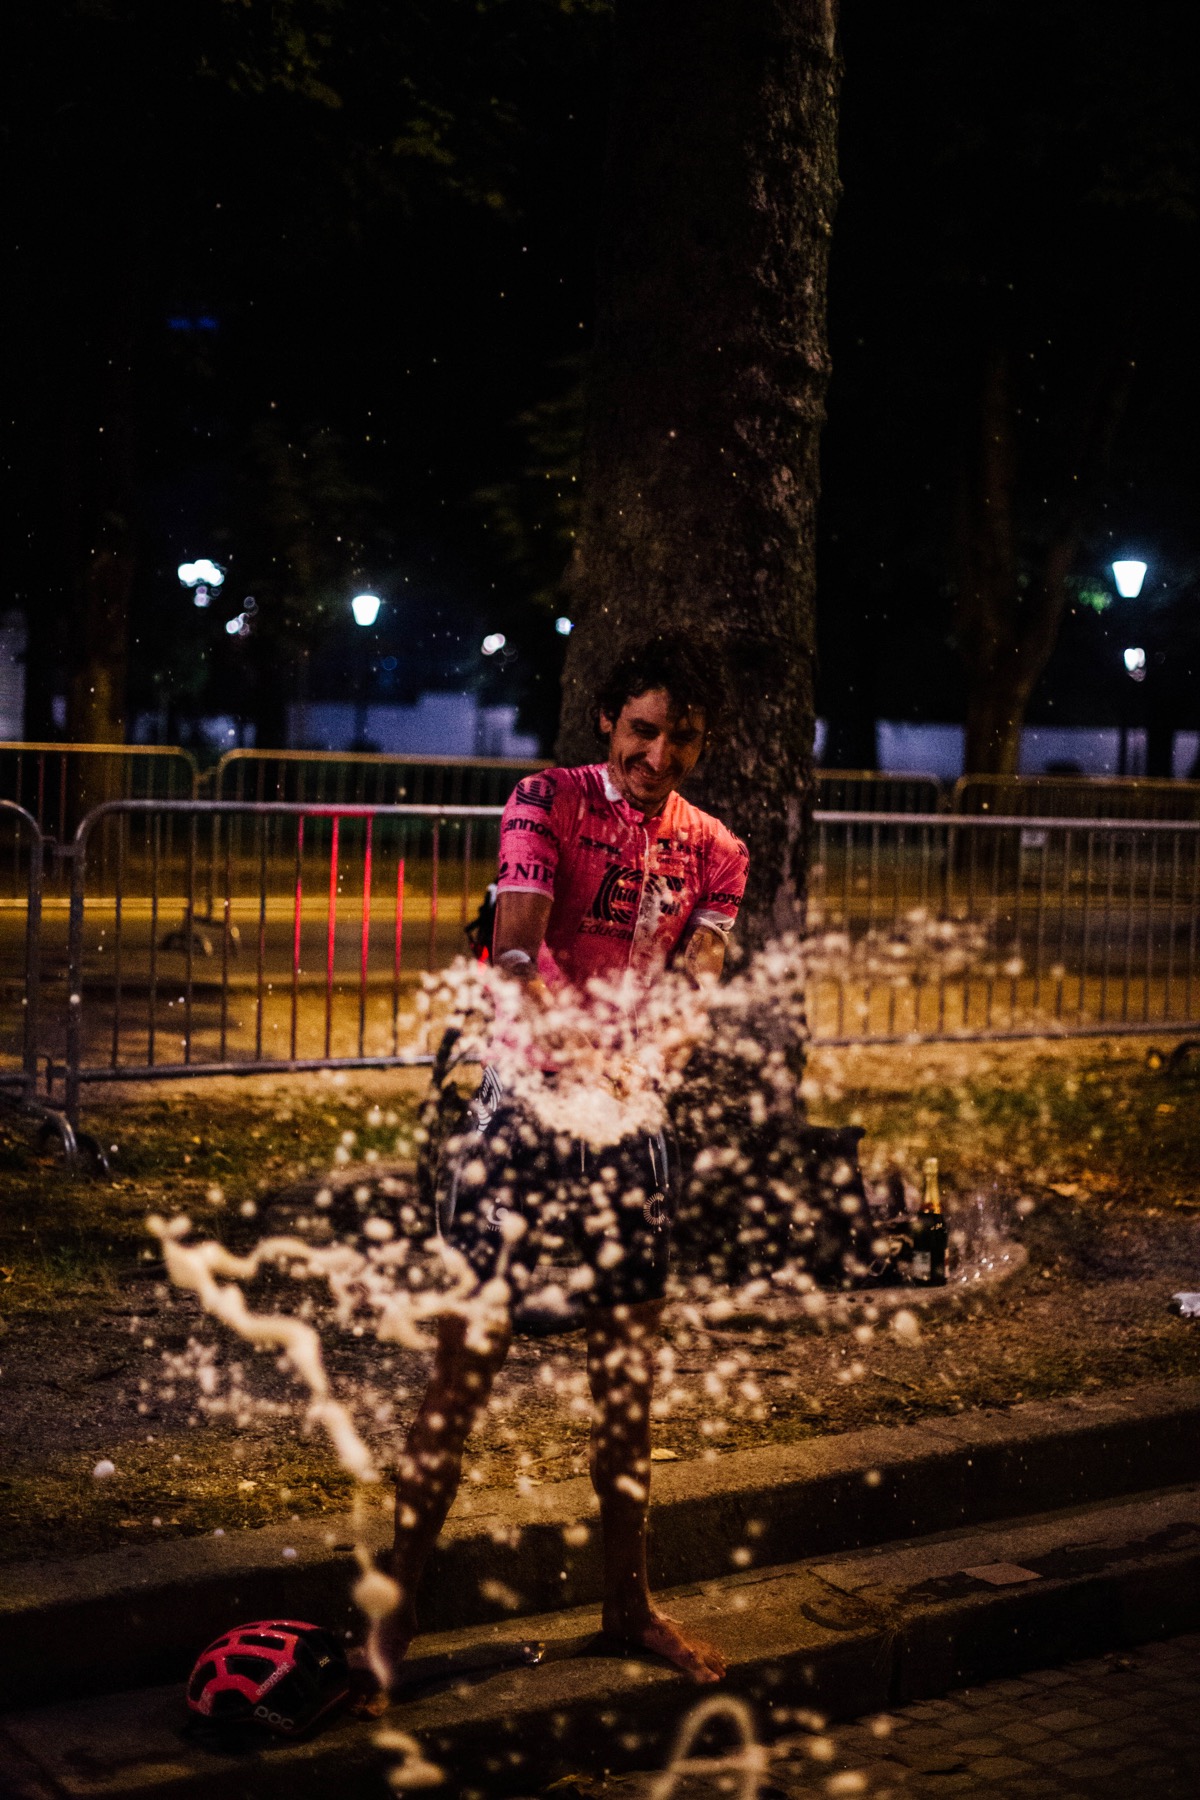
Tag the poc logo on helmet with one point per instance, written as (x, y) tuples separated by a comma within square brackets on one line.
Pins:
[(274, 1718)]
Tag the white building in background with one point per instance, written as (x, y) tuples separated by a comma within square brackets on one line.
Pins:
[(909, 748), (437, 725), (12, 676)]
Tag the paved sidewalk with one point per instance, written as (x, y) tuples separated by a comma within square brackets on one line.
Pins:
[(1119, 1727), (136, 1615), (840, 1636)]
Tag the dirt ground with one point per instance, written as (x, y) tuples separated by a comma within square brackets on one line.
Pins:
[(1078, 1152)]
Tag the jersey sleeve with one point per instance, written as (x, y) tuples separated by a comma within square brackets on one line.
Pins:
[(529, 836), (726, 867)]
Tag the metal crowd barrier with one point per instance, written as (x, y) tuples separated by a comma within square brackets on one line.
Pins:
[(59, 784), (243, 937), (934, 926), (871, 790), (21, 985), (209, 938), (20, 951), (335, 778), (1076, 797), (372, 779)]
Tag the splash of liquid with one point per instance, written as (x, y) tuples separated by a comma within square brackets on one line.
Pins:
[(748, 1760), (600, 1069)]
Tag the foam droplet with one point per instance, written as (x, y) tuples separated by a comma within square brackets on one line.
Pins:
[(905, 1326)]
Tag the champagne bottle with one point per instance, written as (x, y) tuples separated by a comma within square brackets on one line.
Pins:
[(929, 1233)]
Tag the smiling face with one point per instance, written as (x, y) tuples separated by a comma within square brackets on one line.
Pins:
[(652, 748)]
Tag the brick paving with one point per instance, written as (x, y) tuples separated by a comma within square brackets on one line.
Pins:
[(1115, 1728), (1118, 1727)]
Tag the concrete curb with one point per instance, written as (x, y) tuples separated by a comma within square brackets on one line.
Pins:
[(853, 1635), (140, 1613)]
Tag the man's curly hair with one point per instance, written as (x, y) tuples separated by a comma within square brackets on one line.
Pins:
[(690, 672)]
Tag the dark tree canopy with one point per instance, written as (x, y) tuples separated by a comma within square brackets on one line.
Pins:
[(386, 210), (334, 188), (1008, 302)]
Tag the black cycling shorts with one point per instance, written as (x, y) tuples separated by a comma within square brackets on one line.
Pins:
[(596, 1223)]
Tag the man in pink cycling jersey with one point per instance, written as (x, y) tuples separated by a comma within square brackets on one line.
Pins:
[(603, 869)]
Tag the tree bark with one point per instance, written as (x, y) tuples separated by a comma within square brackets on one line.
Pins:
[(707, 392), (100, 500), (1012, 593)]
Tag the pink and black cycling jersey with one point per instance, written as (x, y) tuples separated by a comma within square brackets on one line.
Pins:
[(625, 889)]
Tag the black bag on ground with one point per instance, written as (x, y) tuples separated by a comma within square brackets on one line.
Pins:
[(789, 1194)]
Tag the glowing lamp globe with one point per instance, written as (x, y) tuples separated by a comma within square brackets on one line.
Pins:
[(1129, 576), (365, 608), (201, 576), (202, 571)]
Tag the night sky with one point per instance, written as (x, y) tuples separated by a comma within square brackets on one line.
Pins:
[(327, 271)]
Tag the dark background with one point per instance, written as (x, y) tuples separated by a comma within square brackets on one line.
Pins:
[(322, 273)]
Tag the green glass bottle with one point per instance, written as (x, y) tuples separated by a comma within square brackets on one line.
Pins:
[(929, 1233)]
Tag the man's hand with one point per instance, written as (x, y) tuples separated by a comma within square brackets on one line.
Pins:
[(521, 921), (703, 956)]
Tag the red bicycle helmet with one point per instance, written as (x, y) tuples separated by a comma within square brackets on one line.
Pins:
[(281, 1673)]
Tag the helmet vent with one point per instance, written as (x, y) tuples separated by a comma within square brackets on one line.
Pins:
[(254, 1668), (201, 1679)]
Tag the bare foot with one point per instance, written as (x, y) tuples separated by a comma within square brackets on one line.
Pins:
[(665, 1637), (367, 1699), (374, 1665)]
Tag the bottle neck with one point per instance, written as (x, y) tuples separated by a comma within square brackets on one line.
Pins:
[(932, 1202)]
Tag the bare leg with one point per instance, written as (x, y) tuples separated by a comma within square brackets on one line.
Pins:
[(431, 1467), (621, 1374)]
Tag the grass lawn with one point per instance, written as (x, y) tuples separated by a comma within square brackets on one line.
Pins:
[(1089, 1157)]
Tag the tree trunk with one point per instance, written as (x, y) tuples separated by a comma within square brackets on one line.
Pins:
[(1160, 744), (707, 394), (995, 712), (1012, 641), (99, 496), (1010, 606), (847, 675), (96, 696)]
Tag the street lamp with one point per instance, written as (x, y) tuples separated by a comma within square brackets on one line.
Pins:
[(365, 608), (201, 576), (1129, 575)]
